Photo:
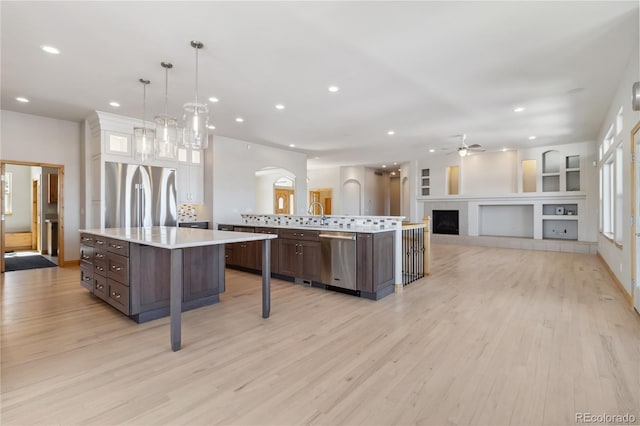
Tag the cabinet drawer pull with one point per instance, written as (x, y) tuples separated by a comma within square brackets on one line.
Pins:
[(116, 268), (99, 286), (116, 246), (116, 295), (100, 268), (100, 242), (86, 278), (86, 240), (100, 255), (85, 256)]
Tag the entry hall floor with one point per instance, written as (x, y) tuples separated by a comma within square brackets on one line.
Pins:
[(492, 337)]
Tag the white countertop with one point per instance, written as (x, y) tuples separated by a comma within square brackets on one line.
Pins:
[(358, 229), (170, 237)]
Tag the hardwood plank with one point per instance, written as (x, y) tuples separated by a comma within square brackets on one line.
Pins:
[(492, 336)]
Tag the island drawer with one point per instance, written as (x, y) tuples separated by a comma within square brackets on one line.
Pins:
[(86, 253), (100, 242), (118, 268), (100, 268), (118, 246), (118, 296), (87, 239), (100, 287), (99, 255), (86, 276), (266, 231), (300, 234)]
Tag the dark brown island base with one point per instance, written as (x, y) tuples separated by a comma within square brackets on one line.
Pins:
[(148, 273), (353, 261)]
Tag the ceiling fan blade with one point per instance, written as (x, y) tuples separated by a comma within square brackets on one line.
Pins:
[(475, 145)]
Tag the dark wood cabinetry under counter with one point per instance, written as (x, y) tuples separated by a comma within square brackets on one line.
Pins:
[(134, 278), (297, 255)]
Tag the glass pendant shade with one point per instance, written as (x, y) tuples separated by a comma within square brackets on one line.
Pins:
[(166, 134), (144, 137), (195, 117), (462, 152), (196, 122)]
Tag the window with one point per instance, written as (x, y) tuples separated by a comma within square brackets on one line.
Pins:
[(8, 205), (611, 186), (619, 121)]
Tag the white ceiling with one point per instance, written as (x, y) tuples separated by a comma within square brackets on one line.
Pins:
[(427, 70)]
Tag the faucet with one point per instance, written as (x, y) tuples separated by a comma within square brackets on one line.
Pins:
[(323, 218)]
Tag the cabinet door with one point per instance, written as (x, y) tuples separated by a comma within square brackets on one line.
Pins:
[(364, 273), (289, 257), (190, 184), (275, 249), (382, 261), (203, 269), (117, 143), (310, 253)]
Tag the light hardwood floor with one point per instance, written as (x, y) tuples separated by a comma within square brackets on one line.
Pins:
[(493, 337)]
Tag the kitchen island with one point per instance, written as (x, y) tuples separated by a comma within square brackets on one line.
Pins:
[(120, 262)]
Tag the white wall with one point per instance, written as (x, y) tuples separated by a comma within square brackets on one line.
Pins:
[(235, 163), (32, 138), (619, 258), (265, 181), (377, 193), (352, 190), (327, 178), (20, 219), (490, 173)]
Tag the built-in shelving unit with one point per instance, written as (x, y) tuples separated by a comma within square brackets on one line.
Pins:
[(572, 170), (425, 182), (560, 221)]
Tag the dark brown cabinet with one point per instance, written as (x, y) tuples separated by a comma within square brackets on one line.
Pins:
[(299, 254), (244, 255), (134, 278), (275, 249), (375, 263)]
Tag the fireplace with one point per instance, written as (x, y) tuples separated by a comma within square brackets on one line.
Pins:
[(445, 222)]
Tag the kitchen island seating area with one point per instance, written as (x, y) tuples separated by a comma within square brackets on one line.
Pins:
[(149, 272)]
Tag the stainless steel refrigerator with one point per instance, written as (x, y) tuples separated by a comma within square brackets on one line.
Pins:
[(140, 196)]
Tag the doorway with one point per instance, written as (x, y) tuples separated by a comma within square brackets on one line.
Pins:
[(32, 206), (322, 196)]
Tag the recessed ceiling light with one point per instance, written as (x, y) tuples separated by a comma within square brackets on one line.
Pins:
[(213, 100), (518, 109), (504, 149), (50, 49), (211, 127), (333, 89), (432, 150), (21, 99), (279, 106), (114, 104), (384, 166), (317, 158), (391, 132), (399, 170), (395, 163), (292, 145), (393, 173), (531, 138), (239, 119)]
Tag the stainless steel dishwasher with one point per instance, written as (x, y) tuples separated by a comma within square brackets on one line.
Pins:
[(338, 259)]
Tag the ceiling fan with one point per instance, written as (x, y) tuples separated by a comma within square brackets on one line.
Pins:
[(465, 149)]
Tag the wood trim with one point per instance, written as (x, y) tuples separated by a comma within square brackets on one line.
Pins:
[(68, 263), (628, 297), (60, 168), (633, 241)]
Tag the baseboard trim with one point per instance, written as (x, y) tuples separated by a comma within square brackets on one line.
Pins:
[(69, 263), (398, 288), (615, 279)]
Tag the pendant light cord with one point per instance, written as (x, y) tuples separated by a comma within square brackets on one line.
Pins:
[(197, 48)]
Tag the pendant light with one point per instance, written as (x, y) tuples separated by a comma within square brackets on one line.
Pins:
[(166, 126), (196, 116), (144, 136)]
